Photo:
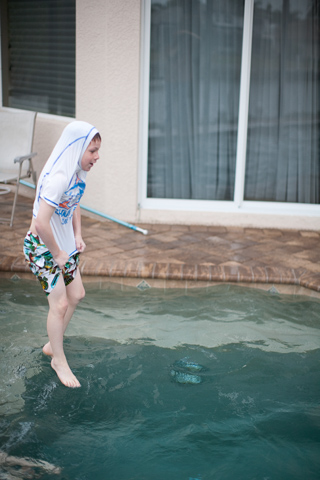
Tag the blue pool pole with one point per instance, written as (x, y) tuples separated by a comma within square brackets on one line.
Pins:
[(108, 217), (125, 224)]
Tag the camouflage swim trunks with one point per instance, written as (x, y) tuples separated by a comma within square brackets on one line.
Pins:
[(43, 265)]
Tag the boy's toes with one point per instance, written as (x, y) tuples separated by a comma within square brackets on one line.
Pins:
[(65, 375)]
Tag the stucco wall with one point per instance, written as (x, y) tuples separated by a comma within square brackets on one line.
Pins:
[(108, 48), (239, 219)]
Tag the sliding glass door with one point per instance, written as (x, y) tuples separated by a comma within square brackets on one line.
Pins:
[(194, 98), (198, 76), (282, 163)]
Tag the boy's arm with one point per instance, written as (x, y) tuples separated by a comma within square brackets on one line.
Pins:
[(43, 227), (76, 222)]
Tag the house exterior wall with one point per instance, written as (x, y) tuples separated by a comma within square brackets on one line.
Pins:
[(108, 50), (107, 95), (108, 56)]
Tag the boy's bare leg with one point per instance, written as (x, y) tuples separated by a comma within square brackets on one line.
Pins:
[(58, 307), (75, 292), (47, 349)]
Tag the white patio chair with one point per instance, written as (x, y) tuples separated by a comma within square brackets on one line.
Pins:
[(16, 138)]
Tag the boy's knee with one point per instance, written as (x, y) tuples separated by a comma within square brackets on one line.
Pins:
[(61, 306), (82, 294), (78, 295)]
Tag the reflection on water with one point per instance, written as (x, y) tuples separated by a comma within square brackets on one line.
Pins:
[(175, 385)]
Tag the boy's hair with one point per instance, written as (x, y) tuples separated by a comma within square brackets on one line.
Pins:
[(96, 138)]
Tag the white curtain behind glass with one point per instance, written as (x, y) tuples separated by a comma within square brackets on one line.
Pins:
[(283, 161), (194, 98)]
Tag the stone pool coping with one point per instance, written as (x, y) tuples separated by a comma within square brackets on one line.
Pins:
[(166, 275), (196, 254)]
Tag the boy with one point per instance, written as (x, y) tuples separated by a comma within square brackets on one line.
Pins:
[(54, 240)]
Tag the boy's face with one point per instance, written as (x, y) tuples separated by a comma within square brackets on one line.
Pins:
[(91, 155)]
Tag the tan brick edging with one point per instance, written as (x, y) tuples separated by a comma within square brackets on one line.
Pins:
[(173, 271)]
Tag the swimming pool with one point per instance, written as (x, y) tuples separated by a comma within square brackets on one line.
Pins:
[(214, 383)]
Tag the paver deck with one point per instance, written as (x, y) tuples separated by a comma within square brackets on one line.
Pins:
[(177, 252)]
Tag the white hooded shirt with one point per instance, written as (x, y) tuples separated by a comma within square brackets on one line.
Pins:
[(62, 181)]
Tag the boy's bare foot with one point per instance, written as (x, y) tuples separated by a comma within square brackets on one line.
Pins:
[(47, 350), (65, 374)]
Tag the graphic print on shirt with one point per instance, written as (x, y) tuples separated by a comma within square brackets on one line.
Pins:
[(70, 200)]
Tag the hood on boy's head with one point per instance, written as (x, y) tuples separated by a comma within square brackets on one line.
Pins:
[(72, 144), (79, 130)]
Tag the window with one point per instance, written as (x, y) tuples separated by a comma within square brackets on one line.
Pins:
[(233, 104), (38, 55), (194, 98), (283, 158)]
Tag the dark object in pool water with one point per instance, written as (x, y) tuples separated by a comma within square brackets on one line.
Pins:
[(181, 377), (188, 365), (184, 371)]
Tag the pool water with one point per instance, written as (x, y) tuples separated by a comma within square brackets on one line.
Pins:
[(213, 383)]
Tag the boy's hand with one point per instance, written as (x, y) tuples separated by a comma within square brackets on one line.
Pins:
[(80, 243), (61, 258)]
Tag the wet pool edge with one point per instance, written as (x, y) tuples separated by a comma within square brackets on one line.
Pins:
[(143, 283)]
